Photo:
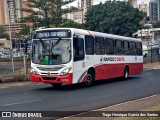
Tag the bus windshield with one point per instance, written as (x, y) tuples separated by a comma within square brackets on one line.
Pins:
[(51, 52)]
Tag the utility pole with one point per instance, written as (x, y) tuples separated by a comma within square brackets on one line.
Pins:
[(82, 7), (10, 34)]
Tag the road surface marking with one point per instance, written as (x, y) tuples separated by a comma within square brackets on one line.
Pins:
[(21, 102)]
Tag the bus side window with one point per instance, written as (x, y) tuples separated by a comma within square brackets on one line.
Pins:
[(99, 46), (78, 48), (89, 45), (109, 45), (132, 48), (139, 48), (118, 47), (126, 47)]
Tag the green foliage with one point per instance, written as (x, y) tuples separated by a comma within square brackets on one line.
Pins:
[(3, 34), (156, 25), (114, 17), (24, 31), (47, 13), (72, 24)]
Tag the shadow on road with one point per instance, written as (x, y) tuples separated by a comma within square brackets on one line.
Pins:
[(82, 86)]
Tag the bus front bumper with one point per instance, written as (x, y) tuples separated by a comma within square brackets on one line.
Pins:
[(52, 79)]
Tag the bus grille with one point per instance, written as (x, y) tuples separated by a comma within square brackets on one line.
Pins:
[(50, 69), (49, 78)]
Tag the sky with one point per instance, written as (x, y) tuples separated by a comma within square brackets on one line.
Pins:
[(98, 1)]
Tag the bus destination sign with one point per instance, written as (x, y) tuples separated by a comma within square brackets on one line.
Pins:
[(53, 34)]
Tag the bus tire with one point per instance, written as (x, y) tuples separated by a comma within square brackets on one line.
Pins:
[(126, 73), (56, 85), (90, 78)]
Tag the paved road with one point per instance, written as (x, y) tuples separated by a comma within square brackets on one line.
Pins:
[(44, 97)]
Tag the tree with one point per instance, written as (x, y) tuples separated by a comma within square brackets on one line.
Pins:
[(72, 24), (47, 12), (156, 24), (114, 17), (3, 34), (24, 31)]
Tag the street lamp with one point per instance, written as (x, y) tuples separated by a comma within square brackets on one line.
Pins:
[(10, 34)]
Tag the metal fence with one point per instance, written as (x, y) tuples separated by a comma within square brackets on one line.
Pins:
[(151, 58), (19, 65)]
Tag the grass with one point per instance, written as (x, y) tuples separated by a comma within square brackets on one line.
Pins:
[(13, 77)]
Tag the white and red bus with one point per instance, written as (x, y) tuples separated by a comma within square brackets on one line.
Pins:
[(69, 55)]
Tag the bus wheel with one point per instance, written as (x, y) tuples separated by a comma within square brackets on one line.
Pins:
[(126, 73), (56, 85), (90, 78)]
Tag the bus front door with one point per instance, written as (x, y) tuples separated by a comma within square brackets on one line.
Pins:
[(78, 58)]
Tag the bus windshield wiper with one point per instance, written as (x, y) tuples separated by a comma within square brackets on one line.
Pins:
[(41, 41), (56, 43)]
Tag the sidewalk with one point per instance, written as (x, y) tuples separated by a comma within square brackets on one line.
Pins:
[(148, 66), (151, 103)]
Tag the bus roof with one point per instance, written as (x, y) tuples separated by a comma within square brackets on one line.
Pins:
[(94, 33)]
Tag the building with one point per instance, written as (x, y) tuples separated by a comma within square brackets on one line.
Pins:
[(4, 43), (86, 4), (14, 27), (2, 12), (153, 10), (78, 16), (158, 7), (14, 7), (25, 4), (149, 36), (144, 7), (10, 10), (133, 3)]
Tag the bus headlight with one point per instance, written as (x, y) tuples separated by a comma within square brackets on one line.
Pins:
[(65, 71), (34, 71)]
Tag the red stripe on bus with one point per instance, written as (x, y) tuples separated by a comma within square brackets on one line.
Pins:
[(52, 79), (107, 71)]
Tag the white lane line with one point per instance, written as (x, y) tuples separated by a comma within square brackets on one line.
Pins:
[(21, 102)]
